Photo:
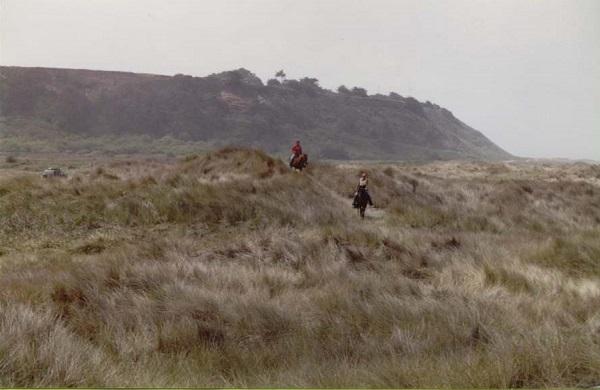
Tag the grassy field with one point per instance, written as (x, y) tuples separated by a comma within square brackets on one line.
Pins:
[(227, 269)]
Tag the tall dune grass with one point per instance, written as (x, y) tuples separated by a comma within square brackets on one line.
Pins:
[(230, 270)]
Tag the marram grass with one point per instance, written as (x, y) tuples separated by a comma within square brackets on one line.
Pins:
[(229, 270)]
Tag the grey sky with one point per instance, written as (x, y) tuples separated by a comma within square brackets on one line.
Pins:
[(524, 72)]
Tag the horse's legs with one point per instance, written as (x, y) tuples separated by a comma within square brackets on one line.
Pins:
[(362, 211)]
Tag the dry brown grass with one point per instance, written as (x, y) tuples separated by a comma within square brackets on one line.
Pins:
[(230, 270)]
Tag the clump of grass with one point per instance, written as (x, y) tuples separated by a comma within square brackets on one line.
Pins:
[(91, 247), (422, 216), (36, 349), (575, 255), (510, 279), (226, 162)]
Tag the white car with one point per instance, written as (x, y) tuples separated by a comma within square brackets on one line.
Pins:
[(53, 172)]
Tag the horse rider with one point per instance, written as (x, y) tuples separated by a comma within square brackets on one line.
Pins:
[(362, 187), (296, 152)]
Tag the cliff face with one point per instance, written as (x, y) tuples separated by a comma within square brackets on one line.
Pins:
[(235, 107)]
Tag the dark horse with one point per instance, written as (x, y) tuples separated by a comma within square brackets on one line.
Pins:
[(361, 200), (299, 162)]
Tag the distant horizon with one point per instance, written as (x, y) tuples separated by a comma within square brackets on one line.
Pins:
[(524, 73)]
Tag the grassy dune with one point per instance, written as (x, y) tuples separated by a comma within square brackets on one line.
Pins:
[(227, 269)]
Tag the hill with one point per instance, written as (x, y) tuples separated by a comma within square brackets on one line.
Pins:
[(229, 270), (69, 109)]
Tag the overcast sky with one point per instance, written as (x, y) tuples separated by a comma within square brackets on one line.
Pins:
[(525, 72)]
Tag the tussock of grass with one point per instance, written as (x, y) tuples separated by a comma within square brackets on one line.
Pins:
[(227, 269), (576, 255)]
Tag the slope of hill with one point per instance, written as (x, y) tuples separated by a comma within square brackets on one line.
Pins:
[(229, 270), (233, 107)]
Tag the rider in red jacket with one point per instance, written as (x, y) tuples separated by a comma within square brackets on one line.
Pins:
[(296, 151)]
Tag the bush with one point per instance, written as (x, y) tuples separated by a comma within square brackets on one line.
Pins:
[(357, 91), (310, 81), (343, 90), (413, 105), (273, 83)]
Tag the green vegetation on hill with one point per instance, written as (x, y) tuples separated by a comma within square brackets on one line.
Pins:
[(97, 108), (228, 269), (18, 136)]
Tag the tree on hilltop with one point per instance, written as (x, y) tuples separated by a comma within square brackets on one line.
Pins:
[(343, 90), (273, 83), (310, 81), (357, 91), (280, 75)]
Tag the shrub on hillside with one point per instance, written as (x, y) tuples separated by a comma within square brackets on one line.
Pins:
[(361, 92), (413, 105), (273, 83), (343, 90)]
